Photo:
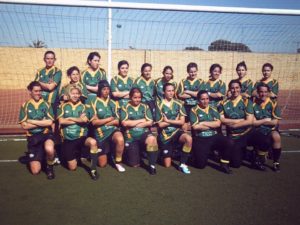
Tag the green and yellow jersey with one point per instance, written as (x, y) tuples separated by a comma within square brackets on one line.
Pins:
[(238, 108), (103, 109), (267, 109), (173, 112), (84, 92), (147, 87), (159, 84), (130, 112), (73, 131), (247, 86), (215, 86), (33, 110), (190, 85), (119, 83), (198, 115), (52, 74), (92, 78), (272, 84)]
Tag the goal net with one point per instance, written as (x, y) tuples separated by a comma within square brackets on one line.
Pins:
[(159, 37)]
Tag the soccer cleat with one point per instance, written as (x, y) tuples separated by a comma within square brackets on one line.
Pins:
[(258, 164), (184, 168), (152, 170), (276, 167), (120, 167), (225, 168), (50, 172), (94, 174), (56, 161)]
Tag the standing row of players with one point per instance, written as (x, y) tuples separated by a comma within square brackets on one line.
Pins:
[(135, 106)]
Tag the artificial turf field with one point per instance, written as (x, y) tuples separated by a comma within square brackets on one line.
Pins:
[(206, 197)]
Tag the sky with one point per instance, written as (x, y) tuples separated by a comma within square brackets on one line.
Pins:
[(280, 4), (74, 27)]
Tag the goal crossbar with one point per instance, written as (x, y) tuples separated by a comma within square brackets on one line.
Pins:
[(150, 6)]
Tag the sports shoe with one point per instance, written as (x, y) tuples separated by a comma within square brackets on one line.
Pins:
[(152, 170), (258, 164), (225, 168), (184, 168), (50, 172), (120, 167), (56, 161), (94, 174), (276, 167)]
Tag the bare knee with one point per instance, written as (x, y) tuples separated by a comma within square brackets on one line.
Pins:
[(49, 147), (276, 137), (120, 140), (151, 141), (35, 167), (91, 142), (188, 140), (102, 161), (72, 165)]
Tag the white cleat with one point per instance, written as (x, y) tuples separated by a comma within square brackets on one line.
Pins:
[(120, 167), (184, 168)]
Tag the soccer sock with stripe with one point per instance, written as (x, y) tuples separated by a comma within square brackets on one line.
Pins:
[(94, 158), (118, 159), (152, 152), (185, 154)]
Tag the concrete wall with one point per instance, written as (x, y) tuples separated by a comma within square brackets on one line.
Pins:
[(18, 65)]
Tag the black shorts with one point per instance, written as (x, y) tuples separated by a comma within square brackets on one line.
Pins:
[(167, 149), (106, 145), (73, 149), (261, 141), (133, 149), (244, 140), (35, 146)]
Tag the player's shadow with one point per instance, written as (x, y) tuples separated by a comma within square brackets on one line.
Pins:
[(24, 160)]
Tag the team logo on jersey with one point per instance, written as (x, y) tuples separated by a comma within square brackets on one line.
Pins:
[(120, 85), (200, 115), (100, 110), (29, 111), (67, 111), (31, 155), (166, 151)]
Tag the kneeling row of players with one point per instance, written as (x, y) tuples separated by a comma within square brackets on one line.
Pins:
[(247, 123)]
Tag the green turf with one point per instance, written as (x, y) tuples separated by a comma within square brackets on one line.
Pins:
[(206, 197)]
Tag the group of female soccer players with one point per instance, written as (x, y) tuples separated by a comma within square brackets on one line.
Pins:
[(102, 121)]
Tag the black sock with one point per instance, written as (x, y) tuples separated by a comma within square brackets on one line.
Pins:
[(94, 159), (184, 157), (276, 154), (152, 157)]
